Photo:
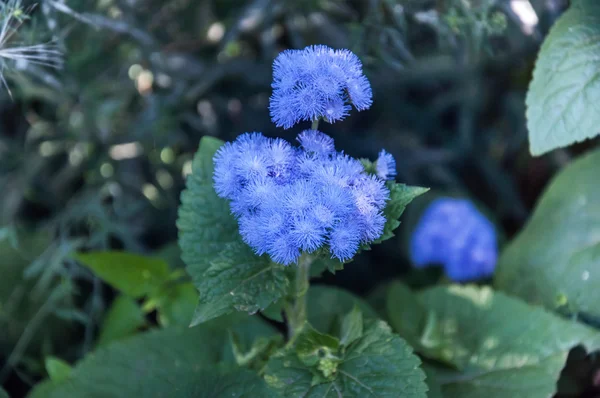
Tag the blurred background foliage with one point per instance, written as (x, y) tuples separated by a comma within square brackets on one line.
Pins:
[(93, 155)]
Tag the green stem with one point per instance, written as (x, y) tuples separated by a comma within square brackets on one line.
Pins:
[(296, 311), (315, 124)]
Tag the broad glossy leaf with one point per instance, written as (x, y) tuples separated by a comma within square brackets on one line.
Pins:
[(555, 260), (563, 98), (228, 275), (379, 364), (124, 318), (172, 362), (498, 346), (131, 274)]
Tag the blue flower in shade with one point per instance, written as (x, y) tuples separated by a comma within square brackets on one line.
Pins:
[(453, 233), (386, 166), (317, 82), (290, 201)]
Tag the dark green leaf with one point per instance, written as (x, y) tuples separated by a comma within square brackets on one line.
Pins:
[(498, 346), (173, 362), (57, 369), (131, 274), (563, 96), (228, 275), (123, 319), (3, 394), (377, 364), (554, 260)]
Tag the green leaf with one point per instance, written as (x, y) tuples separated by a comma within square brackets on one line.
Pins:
[(563, 96), (124, 318), (57, 369), (311, 346), (326, 305), (131, 274), (176, 304), (554, 260), (379, 363), (352, 327), (3, 394), (228, 275), (172, 362), (498, 346), (400, 196)]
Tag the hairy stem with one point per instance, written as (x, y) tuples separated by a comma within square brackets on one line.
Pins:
[(315, 124), (296, 311)]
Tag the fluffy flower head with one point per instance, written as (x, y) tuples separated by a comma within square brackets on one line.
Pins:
[(291, 200), (317, 82), (453, 233)]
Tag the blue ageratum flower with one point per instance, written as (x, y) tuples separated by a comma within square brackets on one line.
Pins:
[(453, 233), (292, 200), (317, 82)]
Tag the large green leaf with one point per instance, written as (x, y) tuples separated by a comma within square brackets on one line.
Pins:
[(378, 363), (132, 274), (172, 362), (555, 259), (497, 346), (228, 275), (562, 101)]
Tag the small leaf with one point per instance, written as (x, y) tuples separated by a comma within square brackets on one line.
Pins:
[(400, 196), (554, 259), (57, 369), (257, 355), (172, 362), (562, 101), (352, 327), (176, 303), (498, 346), (131, 274), (3, 394), (124, 318), (311, 345), (379, 363), (228, 275), (326, 305)]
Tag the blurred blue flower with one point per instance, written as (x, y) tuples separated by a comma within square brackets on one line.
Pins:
[(292, 200), (317, 82), (453, 233)]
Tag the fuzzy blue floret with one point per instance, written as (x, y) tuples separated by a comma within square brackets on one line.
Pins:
[(292, 200), (453, 233), (317, 82), (386, 165)]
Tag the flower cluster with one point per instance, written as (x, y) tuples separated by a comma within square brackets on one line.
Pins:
[(317, 82), (290, 200), (453, 233)]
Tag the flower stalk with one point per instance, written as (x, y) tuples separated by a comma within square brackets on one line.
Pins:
[(296, 310)]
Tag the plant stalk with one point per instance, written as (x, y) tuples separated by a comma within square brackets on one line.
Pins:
[(315, 124), (296, 311)]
